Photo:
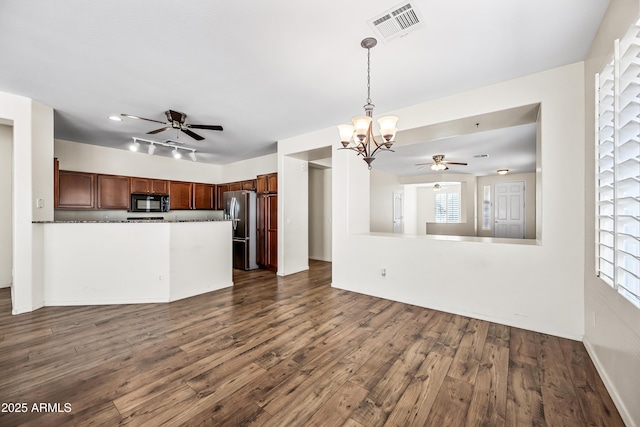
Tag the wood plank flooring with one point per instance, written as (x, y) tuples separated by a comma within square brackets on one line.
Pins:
[(291, 351)]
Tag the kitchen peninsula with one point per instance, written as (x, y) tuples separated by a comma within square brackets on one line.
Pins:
[(134, 261)]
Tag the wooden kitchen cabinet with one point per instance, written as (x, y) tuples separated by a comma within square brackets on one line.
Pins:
[(235, 186), (113, 192), (149, 186), (204, 196), (249, 185), (180, 195), (267, 231), (266, 184), (76, 190), (221, 189)]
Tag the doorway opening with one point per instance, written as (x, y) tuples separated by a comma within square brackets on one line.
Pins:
[(6, 211)]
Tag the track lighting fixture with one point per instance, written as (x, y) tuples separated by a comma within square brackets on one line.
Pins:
[(153, 145)]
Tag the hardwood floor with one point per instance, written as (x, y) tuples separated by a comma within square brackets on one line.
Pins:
[(289, 351)]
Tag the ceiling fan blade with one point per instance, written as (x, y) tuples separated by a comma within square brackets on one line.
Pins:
[(157, 131), (141, 118), (192, 134), (454, 163), (210, 127), (176, 116)]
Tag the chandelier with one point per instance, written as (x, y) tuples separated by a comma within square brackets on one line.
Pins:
[(359, 136)]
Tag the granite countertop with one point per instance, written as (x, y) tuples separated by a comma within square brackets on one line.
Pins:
[(116, 221)]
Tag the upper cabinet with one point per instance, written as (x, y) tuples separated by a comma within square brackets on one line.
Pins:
[(180, 195), (204, 196), (149, 186), (267, 183), (235, 186), (113, 192), (249, 185), (76, 190)]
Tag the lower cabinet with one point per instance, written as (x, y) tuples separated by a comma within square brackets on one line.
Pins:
[(267, 230)]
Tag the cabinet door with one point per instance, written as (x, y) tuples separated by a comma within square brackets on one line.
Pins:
[(249, 185), (113, 192), (272, 183), (180, 195), (140, 185), (261, 223), (203, 196), (159, 186), (76, 190), (261, 184), (222, 188), (235, 186), (272, 232)]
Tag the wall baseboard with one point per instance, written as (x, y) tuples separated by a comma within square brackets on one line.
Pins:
[(611, 388), (319, 259)]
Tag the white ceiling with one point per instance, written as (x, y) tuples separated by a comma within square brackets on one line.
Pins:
[(267, 70)]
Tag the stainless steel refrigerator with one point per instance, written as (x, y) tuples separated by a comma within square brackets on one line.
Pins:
[(240, 207)]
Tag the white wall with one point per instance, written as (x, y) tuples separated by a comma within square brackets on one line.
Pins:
[(383, 185), (320, 214), (613, 340), (79, 157), (250, 168), (530, 201), (6, 223), (533, 286), (32, 180), (293, 215)]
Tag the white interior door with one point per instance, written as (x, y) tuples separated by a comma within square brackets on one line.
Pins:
[(509, 210), (398, 212)]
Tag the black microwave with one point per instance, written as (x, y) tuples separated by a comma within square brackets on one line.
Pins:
[(149, 203)]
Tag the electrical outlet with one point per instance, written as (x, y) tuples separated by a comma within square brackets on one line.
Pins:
[(39, 203)]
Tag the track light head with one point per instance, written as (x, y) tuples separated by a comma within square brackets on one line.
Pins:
[(192, 155), (176, 153), (152, 149)]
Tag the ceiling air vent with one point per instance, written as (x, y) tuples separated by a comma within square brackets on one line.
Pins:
[(396, 22)]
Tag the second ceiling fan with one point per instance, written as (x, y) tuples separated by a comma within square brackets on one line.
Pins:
[(439, 163), (176, 120)]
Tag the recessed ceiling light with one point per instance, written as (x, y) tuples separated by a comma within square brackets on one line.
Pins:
[(502, 171), (115, 118)]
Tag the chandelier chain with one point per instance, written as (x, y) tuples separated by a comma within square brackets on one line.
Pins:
[(369, 76)]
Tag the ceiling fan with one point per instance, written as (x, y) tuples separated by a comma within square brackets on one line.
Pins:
[(439, 163), (176, 120)]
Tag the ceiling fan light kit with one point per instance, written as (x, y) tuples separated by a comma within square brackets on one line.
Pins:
[(359, 136)]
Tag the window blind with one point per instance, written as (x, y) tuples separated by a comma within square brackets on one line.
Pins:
[(618, 168), (448, 207)]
